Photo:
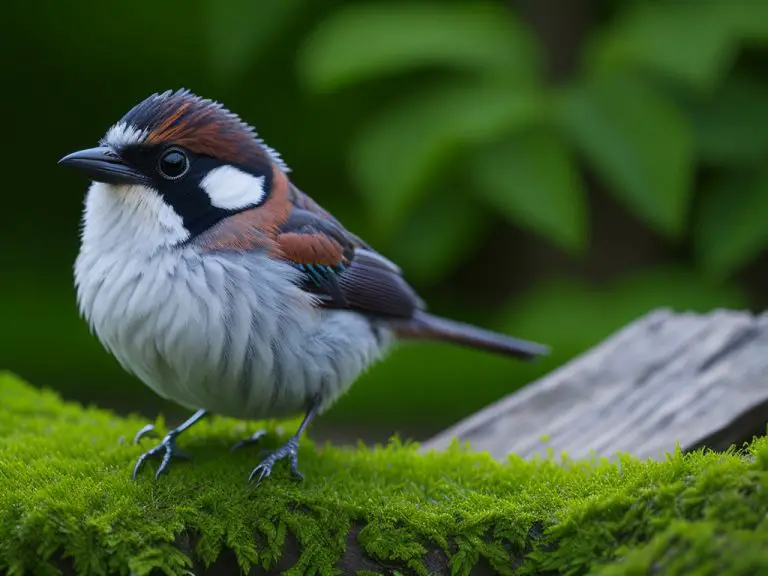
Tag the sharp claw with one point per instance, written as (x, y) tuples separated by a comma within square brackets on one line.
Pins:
[(148, 430), (295, 466), (262, 470), (290, 450), (169, 451), (139, 464), (163, 468)]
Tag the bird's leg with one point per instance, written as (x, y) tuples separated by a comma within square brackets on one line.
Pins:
[(167, 448), (288, 450)]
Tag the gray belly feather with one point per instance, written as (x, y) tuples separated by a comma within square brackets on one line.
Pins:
[(230, 333)]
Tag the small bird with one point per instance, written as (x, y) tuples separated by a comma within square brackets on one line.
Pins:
[(223, 287)]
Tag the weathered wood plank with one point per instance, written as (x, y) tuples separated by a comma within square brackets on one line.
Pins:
[(696, 380)]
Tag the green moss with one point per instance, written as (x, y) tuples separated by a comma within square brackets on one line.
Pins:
[(66, 499)]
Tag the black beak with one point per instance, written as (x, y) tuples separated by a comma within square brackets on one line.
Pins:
[(102, 164)]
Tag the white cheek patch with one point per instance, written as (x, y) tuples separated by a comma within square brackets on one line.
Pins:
[(232, 189), (122, 134)]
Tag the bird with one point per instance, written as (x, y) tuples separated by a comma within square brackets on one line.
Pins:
[(223, 287)]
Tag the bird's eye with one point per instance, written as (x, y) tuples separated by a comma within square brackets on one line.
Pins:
[(173, 164)]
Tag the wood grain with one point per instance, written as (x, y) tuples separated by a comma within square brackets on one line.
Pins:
[(668, 378)]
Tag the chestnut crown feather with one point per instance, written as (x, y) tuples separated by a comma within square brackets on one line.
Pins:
[(200, 125)]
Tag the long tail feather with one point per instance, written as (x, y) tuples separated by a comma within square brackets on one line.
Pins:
[(423, 326)]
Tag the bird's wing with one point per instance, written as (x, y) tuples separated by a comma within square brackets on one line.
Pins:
[(340, 268)]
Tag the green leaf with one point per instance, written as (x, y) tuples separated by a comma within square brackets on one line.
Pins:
[(731, 127), (237, 31), (363, 41), (530, 179), (752, 20), (694, 42), (439, 236), (730, 227), (638, 142), (402, 149)]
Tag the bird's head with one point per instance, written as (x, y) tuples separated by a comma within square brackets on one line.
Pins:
[(183, 159)]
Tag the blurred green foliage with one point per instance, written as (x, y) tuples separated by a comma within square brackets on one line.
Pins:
[(554, 204), (518, 137)]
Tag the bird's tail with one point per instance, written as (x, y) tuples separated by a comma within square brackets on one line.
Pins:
[(424, 326)]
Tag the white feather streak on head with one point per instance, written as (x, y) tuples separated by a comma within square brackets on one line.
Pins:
[(230, 188), (122, 134)]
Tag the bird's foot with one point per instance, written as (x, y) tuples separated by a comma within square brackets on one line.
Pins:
[(254, 439), (148, 430), (288, 450), (165, 451)]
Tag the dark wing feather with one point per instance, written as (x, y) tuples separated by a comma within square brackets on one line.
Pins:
[(373, 285), (341, 269), (319, 248)]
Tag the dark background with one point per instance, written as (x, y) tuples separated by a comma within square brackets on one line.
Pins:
[(550, 168)]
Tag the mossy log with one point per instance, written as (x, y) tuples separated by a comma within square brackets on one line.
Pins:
[(68, 506)]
